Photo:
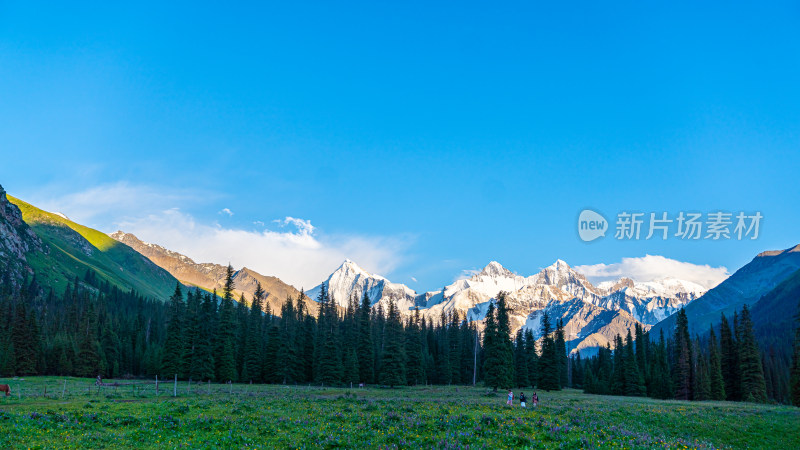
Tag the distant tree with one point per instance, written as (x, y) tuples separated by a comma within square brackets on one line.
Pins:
[(716, 382), (365, 347), (224, 355), (634, 381), (393, 359), (729, 361), (415, 370), (682, 370), (520, 361), (794, 383), (173, 347), (561, 354), (253, 357), (548, 361), (753, 385)]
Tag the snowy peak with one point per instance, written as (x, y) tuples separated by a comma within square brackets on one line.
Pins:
[(350, 281), (494, 269)]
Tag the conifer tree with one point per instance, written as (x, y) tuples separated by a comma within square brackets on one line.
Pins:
[(561, 353), (531, 357), (794, 380), (173, 347), (729, 360), (415, 371), (224, 356), (548, 361), (253, 357), (365, 346), (753, 385), (716, 382), (682, 370), (520, 361), (393, 360), (634, 381)]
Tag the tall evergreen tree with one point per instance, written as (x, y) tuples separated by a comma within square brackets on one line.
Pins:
[(682, 370), (520, 361), (173, 347), (253, 357), (224, 355), (365, 347), (753, 385), (415, 370), (393, 361), (794, 380), (548, 373), (716, 382), (729, 360)]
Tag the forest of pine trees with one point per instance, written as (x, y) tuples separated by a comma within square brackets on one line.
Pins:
[(96, 329)]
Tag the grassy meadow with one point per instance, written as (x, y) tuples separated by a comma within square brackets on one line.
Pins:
[(46, 412)]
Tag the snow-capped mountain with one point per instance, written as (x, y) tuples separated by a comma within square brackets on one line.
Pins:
[(350, 280), (592, 315)]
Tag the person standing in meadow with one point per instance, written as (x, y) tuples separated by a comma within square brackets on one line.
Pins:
[(510, 401), (522, 399)]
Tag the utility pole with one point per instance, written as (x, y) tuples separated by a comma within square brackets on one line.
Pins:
[(475, 358)]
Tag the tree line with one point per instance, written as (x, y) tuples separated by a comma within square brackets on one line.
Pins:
[(94, 328)]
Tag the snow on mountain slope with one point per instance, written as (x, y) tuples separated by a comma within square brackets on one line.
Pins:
[(350, 280), (591, 314)]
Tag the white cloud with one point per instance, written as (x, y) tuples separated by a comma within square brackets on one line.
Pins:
[(299, 257), (116, 200), (414, 280), (655, 267), (466, 274), (297, 252)]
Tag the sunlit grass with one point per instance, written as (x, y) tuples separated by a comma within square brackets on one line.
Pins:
[(217, 415)]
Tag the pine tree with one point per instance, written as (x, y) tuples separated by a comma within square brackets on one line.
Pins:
[(634, 381), (532, 357), (561, 354), (499, 363), (393, 361), (794, 381), (365, 347), (415, 371), (173, 347), (548, 361), (729, 361), (253, 357), (224, 356), (682, 370), (520, 361), (716, 382), (753, 385)]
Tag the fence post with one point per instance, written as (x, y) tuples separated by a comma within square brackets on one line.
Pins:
[(64, 389), (175, 387)]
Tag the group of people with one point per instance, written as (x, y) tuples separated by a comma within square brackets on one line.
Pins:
[(522, 399)]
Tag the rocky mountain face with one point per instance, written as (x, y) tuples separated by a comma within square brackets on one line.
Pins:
[(16, 240), (212, 276), (592, 315), (746, 286), (59, 251)]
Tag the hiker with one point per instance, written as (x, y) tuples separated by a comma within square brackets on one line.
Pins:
[(522, 399), (510, 401), (535, 399)]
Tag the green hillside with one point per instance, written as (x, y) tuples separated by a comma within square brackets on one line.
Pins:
[(74, 248)]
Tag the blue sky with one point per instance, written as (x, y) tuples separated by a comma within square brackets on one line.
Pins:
[(419, 140)]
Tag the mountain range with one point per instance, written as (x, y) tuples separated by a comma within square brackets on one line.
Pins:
[(59, 251), (209, 276), (592, 315)]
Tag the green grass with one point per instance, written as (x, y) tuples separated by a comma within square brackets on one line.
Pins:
[(75, 248), (313, 417)]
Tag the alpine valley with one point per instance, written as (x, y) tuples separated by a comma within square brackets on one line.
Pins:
[(58, 250)]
